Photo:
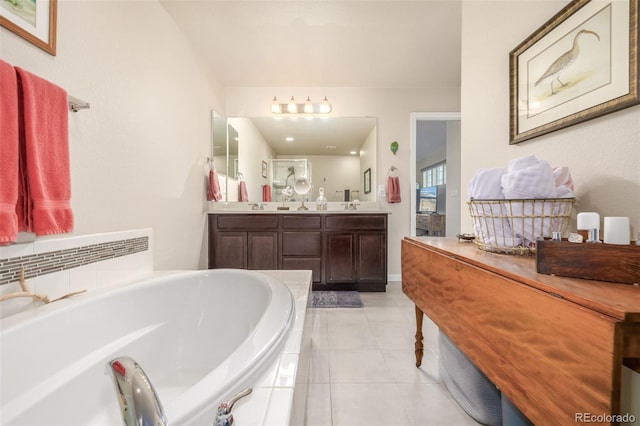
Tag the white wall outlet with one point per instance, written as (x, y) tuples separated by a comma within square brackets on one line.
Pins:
[(382, 191)]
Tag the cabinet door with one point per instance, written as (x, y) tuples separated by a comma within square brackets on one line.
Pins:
[(262, 250), (340, 260), (372, 257), (230, 250)]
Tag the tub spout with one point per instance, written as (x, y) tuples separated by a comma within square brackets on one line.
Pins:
[(139, 402)]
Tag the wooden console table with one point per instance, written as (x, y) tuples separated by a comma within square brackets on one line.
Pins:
[(553, 345)]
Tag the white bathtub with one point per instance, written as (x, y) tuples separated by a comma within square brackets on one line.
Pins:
[(199, 335)]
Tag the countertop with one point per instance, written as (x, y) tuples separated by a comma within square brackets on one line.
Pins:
[(272, 208)]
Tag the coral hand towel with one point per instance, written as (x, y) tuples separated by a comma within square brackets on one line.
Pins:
[(45, 169), (213, 193), (8, 153), (266, 193), (243, 196), (393, 189)]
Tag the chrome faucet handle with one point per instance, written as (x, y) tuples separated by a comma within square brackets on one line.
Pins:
[(224, 416)]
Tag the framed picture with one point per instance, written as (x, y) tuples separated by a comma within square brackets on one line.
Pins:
[(367, 181), (34, 20), (581, 64), (264, 169)]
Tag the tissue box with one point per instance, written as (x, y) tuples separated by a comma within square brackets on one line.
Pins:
[(602, 262)]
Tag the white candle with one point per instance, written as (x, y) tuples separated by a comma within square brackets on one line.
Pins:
[(588, 220), (617, 230)]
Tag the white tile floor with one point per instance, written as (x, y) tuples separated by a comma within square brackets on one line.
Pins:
[(363, 367)]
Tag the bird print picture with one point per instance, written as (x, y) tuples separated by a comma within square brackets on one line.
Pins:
[(576, 63)]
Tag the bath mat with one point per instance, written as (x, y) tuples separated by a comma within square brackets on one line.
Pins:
[(336, 299)]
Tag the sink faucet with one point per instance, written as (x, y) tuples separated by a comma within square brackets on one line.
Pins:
[(257, 206), (352, 205), (139, 403)]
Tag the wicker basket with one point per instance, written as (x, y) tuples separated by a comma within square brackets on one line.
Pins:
[(513, 226)]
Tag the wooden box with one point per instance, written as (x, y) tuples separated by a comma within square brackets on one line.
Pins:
[(602, 262)]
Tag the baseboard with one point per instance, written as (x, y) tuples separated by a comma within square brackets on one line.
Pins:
[(394, 277)]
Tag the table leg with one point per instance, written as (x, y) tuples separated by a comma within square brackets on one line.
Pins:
[(419, 337)]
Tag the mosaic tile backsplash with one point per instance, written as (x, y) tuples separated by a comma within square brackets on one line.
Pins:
[(60, 260)]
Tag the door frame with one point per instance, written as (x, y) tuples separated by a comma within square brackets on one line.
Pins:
[(414, 117)]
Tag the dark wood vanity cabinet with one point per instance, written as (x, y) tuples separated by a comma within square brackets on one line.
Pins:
[(243, 242), (343, 251), (356, 249)]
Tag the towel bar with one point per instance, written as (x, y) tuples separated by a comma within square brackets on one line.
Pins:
[(76, 104)]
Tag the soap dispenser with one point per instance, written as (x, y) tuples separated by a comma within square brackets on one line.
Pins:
[(321, 201)]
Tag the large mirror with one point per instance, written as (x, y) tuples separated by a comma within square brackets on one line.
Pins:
[(338, 150), (219, 142)]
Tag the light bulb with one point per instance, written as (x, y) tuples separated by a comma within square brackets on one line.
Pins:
[(292, 108), (326, 106), (275, 106), (308, 106)]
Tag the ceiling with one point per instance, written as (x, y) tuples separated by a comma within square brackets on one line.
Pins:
[(312, 43), (328, 43)]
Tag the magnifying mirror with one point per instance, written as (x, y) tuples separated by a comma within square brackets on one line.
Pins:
[(302, 187)]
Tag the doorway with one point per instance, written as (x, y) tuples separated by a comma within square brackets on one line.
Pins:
[(435, 149)]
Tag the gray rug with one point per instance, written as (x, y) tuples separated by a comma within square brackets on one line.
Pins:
[(336, 299)]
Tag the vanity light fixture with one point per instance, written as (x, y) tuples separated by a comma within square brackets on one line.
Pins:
[(308, 107)]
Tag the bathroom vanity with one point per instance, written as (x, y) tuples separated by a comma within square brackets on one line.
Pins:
[(345, 250), (554, 346)]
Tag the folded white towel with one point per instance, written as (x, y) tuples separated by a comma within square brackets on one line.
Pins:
[(486, 184), (529, 177)]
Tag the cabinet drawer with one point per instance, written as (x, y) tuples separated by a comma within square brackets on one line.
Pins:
[(301, 222), (304, 263), (301, 243), (247, 222), (356, 221)]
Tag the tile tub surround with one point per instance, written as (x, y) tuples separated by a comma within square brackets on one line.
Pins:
[(279, 397), (55, 266)]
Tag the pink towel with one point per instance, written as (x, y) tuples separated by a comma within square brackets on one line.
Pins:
[(44, 199), (393, 189), (266, 193), (243, 196), (8, 153), (213, 192)]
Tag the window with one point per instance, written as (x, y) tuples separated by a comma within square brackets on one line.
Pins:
[(434, 175)]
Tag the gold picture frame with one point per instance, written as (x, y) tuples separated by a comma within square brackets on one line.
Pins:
[(33, 20), (581, 64)]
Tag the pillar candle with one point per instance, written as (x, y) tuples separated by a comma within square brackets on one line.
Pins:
[(617, 230)]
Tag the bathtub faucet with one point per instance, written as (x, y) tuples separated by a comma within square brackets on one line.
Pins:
[(224, 417), (139, 403)]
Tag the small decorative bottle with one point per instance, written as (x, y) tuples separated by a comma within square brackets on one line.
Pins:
[(321, 201)]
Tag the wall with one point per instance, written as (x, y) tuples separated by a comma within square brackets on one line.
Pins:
[(391, 107), (137, 156), (603, 154), (453, 178)]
